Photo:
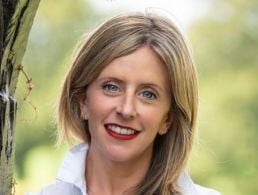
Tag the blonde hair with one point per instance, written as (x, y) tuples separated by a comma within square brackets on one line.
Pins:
[(120, 36)]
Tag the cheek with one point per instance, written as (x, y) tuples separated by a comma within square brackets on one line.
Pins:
[(155, 118), (99, 107), (94, 101)]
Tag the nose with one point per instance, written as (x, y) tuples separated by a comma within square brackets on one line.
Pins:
[(127, 107)]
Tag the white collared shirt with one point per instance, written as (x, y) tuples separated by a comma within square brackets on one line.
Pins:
[(70, 179)]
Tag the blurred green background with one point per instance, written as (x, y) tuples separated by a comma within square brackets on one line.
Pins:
[(225, 47)]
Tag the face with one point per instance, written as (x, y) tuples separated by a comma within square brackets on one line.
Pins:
[(127, 105)]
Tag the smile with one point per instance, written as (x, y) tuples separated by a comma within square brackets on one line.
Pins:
[(122, 133), (120, 130)]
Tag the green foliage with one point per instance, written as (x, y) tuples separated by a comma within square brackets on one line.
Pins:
[(57, 28), (225, 45)]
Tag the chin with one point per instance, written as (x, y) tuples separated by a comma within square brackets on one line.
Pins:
[(120, 155)]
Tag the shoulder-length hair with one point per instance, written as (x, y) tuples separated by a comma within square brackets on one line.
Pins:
[(119, 36)]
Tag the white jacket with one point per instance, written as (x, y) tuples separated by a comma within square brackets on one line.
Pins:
[(70, 179)]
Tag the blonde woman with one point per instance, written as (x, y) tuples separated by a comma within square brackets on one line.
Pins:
[(131, 98)]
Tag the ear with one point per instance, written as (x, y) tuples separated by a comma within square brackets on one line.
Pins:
[(83, 108), (166, 124)]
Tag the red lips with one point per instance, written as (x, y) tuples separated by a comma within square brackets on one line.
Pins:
[(121, 136)]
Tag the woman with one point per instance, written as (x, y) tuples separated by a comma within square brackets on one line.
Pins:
[(131, 97)]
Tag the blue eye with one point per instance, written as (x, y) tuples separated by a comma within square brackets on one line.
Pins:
[(149, 95), (110, 88)]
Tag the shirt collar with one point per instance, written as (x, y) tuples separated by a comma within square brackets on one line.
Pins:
[(72, 170)]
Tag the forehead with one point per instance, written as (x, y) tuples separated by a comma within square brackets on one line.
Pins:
[(141, 65)]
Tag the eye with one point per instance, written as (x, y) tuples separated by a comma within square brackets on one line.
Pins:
[(110, 88), (149, 95)]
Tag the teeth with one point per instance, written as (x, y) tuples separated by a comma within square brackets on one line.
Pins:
[(119, 130)]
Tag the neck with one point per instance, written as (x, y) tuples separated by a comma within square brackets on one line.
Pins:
[(108, 177)]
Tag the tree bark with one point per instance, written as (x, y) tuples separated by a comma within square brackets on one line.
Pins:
[(16, 17)]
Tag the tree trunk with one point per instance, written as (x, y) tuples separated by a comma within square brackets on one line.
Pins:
[(16, 17)]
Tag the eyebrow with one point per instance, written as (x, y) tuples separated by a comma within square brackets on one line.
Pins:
[(154, 86), (111, 79)]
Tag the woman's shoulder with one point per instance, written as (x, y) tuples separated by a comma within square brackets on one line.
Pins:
[(59, 187), (200, 190), (70, 179), (188, 187)]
